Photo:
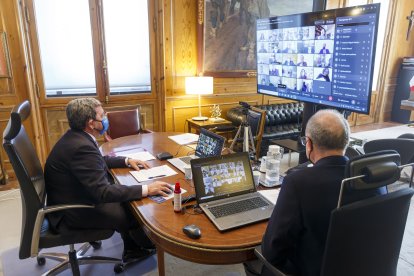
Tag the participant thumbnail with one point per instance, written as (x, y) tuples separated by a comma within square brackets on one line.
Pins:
[(305, 73), (306, 46), (290, 83), (263, 58), (275, 81), (289, 59), (322, 60), (307, 33), (290, 33), (324, 46), (263, 48), (264, 79), (323, 74), (275, 58), (275, 47), (325, 31), (290, 47), (305, 60), (289, 71), (275, 70), (263, 69), (305, 86)]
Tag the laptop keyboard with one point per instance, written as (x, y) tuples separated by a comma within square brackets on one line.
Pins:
[(237, 207), (186, 159)]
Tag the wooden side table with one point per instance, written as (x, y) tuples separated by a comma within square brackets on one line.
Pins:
[(209, 124)]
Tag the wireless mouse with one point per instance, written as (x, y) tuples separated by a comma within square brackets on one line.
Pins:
[(192, 231)]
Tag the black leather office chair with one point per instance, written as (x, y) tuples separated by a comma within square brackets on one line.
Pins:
[(404, 146), (365, 236), (35, 233)]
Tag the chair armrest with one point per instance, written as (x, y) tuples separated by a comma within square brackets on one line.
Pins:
[(41, 216), (274, 270)]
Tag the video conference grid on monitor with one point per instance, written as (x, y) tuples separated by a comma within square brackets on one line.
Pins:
[(224, 178), (208, 146), (324, 61)]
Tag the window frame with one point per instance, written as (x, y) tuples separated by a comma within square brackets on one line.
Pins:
[(99, 56)]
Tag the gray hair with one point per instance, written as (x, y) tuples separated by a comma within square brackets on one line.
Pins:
[(79, 111), (328, 130)]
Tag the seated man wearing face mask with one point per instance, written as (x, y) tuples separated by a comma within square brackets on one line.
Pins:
[(77, 173), (295, 237)]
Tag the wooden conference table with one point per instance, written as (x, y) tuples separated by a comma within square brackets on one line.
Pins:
[(164, 227)]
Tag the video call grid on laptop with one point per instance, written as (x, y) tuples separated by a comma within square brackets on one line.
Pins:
[(208, 144), (226, 192)]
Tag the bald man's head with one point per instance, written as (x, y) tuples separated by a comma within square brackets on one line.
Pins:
[(328, 130)]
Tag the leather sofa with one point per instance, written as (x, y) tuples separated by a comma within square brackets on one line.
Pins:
[(283, 121)]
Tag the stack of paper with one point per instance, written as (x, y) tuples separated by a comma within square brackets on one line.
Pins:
[(184, 139), (142, 155), (153, 173)]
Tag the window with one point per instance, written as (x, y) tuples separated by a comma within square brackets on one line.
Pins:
[(97, 48)]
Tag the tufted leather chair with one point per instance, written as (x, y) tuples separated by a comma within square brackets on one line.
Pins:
[(283, 121)]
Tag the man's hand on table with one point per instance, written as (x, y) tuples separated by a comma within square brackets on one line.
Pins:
[(159, 188), (137, 164)]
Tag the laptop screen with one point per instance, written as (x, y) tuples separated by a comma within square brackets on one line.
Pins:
[(222, 176), (209, 144)]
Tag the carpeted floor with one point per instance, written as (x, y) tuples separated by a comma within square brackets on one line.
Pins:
[(12, 266)]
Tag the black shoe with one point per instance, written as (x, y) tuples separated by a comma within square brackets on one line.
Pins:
[(136, 255)]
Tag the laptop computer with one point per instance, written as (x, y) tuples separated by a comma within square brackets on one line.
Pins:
[(226, 192), (208, 144)]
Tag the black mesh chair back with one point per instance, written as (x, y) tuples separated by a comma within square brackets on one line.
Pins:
[(404, 146), (365, 237), (29, 173)]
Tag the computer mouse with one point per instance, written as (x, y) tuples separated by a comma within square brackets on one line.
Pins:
[(192, 231)]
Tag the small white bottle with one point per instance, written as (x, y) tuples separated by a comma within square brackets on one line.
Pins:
[(177, 197)]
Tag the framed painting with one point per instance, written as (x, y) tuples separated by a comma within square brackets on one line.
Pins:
[(226, 32), (4, 57)]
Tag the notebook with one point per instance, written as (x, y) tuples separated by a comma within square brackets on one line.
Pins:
[(208, 144), (226, 192)]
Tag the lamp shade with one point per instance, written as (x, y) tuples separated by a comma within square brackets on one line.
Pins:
[(199, 85)]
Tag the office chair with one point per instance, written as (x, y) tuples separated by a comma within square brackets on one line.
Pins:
[(36, 234), (404, 146), (365, 236), (124, 123)]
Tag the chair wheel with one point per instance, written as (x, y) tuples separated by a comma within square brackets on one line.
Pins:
[(41, 260), (96, 244), (118, 268)]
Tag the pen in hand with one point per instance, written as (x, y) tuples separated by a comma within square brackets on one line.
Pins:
[(156, 176)]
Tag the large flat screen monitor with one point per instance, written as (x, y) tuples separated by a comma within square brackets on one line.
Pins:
[(324, 57)]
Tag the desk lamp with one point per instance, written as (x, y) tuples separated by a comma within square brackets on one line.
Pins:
[(199, 86)]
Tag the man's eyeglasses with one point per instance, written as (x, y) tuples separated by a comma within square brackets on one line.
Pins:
[(303, 140)]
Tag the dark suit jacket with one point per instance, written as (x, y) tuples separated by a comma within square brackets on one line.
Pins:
[(76, 172), (297, 230)]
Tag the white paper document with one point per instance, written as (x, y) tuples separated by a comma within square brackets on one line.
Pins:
[(142, 155), (153, 173), (184, 139), (270, 194)]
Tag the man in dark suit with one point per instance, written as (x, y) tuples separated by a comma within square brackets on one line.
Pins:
[(77, 173), (295, 237)]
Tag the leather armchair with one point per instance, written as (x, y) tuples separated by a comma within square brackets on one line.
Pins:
[(124, 123), (283, 121)]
